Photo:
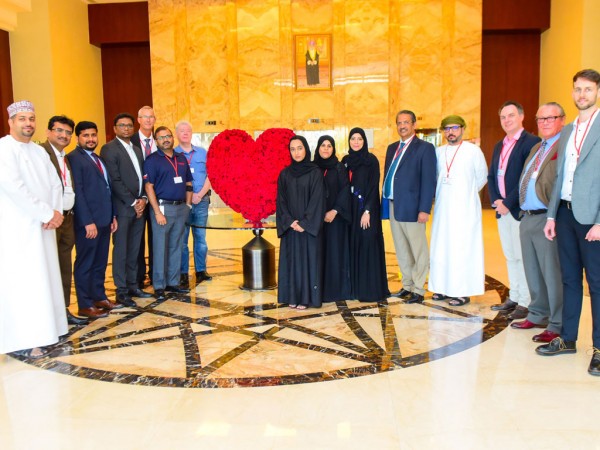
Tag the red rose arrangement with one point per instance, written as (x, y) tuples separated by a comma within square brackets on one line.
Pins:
[(244, 172)]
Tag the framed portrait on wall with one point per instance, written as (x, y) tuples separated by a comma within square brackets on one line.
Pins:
[(312, 62)]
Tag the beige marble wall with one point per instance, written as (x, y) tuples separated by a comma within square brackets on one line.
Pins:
[(232, 62)]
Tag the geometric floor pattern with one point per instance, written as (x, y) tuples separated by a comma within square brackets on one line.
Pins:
[(219, 336)]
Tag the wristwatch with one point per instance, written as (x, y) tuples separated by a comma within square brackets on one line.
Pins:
[(367, 211)]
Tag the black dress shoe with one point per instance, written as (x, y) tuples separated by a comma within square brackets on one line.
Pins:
[(177, 289), (159, 294), (403, 293), (520, 312), (74, 320), (184, 280), (556, 346), (507, 306), (203, 276), (594, 368), (125, 300), (139, 293), (414, 298)]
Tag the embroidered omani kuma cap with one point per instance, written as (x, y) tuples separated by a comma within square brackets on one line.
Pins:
[(22, 106)]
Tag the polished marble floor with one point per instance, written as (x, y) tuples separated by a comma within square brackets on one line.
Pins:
[(397, 376)]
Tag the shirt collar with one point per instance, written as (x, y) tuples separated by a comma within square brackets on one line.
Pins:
[(125, 144)]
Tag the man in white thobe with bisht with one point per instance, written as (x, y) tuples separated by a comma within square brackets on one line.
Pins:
[(456, 260), (32, 309)]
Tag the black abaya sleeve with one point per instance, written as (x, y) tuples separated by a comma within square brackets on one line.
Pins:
[(283, 217), (312, 219), (343, 199), (372, 187)]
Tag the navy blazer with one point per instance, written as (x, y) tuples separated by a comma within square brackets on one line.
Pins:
[(414, 180), (517, 159), (93, 202)]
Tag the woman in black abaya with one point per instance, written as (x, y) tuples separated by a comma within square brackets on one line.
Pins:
[(300, 212), (367, 254), (336, 238)]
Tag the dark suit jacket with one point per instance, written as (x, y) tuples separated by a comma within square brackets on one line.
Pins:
[(94, 202), (544, 183), (135, 140), (513, 172), (124, 180), (48, 147), (414, 180)]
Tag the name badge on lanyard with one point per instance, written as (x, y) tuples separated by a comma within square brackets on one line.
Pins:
[(177, 180), (534, 175), (446, 180), (500, 172)]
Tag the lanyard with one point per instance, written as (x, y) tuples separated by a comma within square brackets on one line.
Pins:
[(448, 167), (173, 165), (189, 160), (63, 171), (587, 127), (506, 153)]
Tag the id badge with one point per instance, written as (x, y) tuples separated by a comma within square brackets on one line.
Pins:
[(162, 209), (68, 189), (352, 189), (534, 175), (500, 172), (177, 180), (446, 180), (192, 169)]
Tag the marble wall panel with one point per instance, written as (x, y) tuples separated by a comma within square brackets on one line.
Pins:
[(234, 61)]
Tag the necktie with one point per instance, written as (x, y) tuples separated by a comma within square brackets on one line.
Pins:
[(97, 161), (387, 185), (529, 173), (147, 147)]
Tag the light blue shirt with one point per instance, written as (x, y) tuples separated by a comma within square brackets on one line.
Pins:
[(532, 201), (196, 158)]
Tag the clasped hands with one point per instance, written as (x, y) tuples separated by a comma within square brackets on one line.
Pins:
[(296, 227), (139, 206), (55, 222)]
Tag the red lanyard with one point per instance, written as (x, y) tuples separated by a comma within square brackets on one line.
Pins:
[(325, 174), (63, 171), (448, 167), (584, 134), (506, 153), (173, 165), (350, 175), (189, 160)]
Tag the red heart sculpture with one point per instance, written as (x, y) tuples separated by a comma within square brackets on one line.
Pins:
[(244, 172)]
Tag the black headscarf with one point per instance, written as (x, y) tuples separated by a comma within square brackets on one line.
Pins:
[(299, 168), (360, 157), (330, 162)]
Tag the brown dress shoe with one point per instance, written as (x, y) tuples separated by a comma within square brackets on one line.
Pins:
[(107, 305), (520, 312), (93, 312)]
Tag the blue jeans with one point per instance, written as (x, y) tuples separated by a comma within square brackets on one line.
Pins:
[(198, 216)]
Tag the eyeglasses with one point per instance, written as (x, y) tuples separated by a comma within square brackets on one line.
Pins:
[(61, 131), (162, 138), (125, 125), (549, 119), (146, 117), (452, 128)]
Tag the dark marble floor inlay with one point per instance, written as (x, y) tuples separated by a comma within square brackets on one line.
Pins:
[(219, 336)]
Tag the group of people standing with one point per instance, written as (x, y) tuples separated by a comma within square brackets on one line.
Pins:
[(329, 218), (52, 201)]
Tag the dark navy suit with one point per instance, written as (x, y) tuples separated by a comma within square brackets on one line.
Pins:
[(413, 189), (93, 205)]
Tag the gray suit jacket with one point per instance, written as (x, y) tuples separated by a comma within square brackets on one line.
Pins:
[(125, 183), (586, 183)]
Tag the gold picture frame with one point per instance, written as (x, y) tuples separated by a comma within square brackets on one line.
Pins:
[(312, 62)]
